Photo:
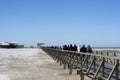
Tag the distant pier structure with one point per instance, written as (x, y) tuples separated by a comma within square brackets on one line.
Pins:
[(10, 45), (40, 44)]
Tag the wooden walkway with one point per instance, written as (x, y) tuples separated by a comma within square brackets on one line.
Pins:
[(95, 66)]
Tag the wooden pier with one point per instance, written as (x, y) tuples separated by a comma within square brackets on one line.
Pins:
[(95, 66)]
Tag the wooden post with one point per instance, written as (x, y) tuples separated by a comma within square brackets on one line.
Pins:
[(94, 63), (103, 67), (101, 53), (81, 60), (70, 72), (96, 52), (82, 75), (117, 70), (60, 58), (71, 64), (107, 58), (114, 59), (87, 61), (78, 59), (64, 66)]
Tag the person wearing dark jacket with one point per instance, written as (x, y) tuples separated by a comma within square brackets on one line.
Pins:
[(89, 50), (84, 50), (75, 47)]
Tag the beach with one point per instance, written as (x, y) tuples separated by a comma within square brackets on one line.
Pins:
[(31, 64)]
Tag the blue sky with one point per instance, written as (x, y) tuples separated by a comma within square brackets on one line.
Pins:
[(58, 22)]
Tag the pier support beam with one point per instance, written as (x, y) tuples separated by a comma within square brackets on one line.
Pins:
[(71, 70), (82, 75), (64, 66)]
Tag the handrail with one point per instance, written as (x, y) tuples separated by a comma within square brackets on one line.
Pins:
[(94, 64), (90, 54)]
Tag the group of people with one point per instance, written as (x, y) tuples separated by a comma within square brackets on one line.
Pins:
[(54, 47), (84, 49), (74, 48), (70, 47)]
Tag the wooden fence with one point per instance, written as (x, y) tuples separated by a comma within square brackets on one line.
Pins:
[(95, 66)]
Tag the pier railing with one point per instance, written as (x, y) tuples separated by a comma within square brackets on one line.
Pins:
[(95, 66)]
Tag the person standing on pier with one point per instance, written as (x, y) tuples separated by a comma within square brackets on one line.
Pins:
[(89, 50), (84, 50), (78, 48), (75, 47)]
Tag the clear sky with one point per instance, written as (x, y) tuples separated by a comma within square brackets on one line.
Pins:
[(58, 22)]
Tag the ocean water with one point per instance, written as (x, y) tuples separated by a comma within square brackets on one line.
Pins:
[(12, 59)]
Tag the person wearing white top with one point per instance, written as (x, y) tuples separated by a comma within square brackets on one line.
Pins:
[(78, 48)]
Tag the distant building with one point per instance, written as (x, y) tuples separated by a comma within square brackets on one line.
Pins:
[(40, 44), (10, 45)]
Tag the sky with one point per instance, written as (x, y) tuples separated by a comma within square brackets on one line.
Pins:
[(58, 22)]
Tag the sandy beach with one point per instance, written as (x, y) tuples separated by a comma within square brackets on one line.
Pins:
[(32, 64), (44, 72)]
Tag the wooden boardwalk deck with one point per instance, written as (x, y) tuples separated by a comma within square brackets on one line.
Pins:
[(95, 66)]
